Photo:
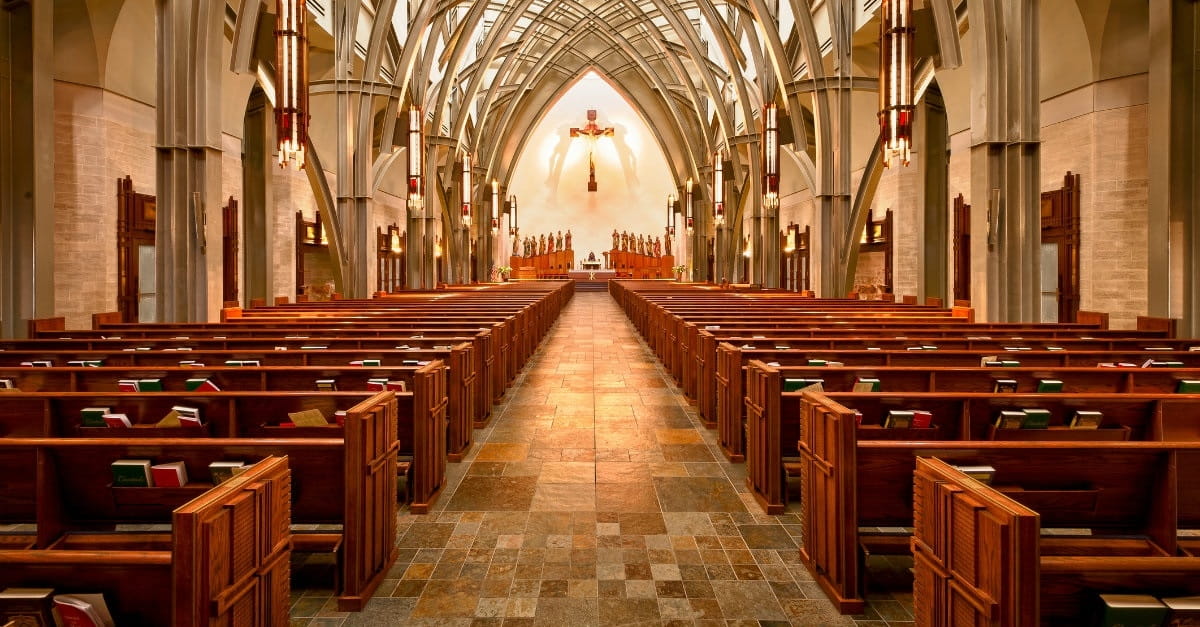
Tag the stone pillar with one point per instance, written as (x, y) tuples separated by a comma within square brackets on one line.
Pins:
[(1005, 154), (188, 161), (1175, 138), (26, 165), (832, 196)]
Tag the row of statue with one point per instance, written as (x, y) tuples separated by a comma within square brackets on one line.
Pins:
[(654, 247), (542, 245)]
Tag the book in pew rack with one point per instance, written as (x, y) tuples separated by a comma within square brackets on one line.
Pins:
[(1086, 419), (1185, 386), (169, 475), (1049, 386), (94, 416), (133, 473), (1129, 610), (1183, 611), (1004, 386), (1036, 419), (799, 385), (82, 610), (27, 607), (867, 384), (223, 471)]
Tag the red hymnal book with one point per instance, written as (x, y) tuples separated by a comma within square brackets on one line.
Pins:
[(171, 475), (922, 419), (117, 421)]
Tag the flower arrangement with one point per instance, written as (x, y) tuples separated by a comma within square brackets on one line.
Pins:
[(680, 269), (504, 269)]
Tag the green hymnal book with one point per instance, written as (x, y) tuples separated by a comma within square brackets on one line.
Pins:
[(366, 363), (1184, 611), (816, 362), (327, 385), (796, 385), (1010, 419), (94, 416), (86, 363), (1188, 386), (131, 473), (1085, 419), (1004, 386), (1036, 419), (982, 474), (201, 384), (898, 419), (1049, 385), (408, 362), (867, 384), (27, 607), (224, 471), (149, 385), (1010, 363), (1130, 610)]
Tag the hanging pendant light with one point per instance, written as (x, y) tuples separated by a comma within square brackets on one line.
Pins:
[(466, 190), (719, 188), (895, 81), (291, 86), (416, 160), (495, 206), (770, 156)]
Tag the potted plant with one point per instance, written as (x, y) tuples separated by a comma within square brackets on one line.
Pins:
[(504, 272), (679, 270)]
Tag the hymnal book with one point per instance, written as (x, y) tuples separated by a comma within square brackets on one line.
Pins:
[(339, 417), (408, 362), (416, 337), (1016, 337), (858, 417), (867, 384), (376, 385), (149, 385), (1010, 419), (712, 327), (295, 337), (94, 416), (1121, 364), (979, 337), (281, 348), (403, 347), (189, 416), (27, 607), (1185, 386), (773, 364), (224, 471), (874, 348), (39, 363), (1165, 364), (170, 420), (758, 337), (143, 348), (181, 337), (1130, 610), (782, 347), (1049, 385), (1054, 348), (1192, 349), (982, 474), (326, 385), (169, 475), (201, 384), (366, 362), (7, 384), (249, 363), (817, 362), (915, 348), (313, 347), (131, 473), (922, 419), (797, 385), (86, 363), (127, 385), (1157, 348), (929, 347), (747, 347), (898, 419), (989, 361), (82, 610), (397, 386), (1009, 363), (1004, 386), (834, 364), (1183, 611), (1086, 419), (1036, 419), (117, 421), (1017, 348), (308, 418)]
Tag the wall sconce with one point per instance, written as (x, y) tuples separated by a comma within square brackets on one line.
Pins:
[(495, 206), (689, 218), (672, 205), (512, 216), (291, 86), (895, 80), (466, 189), (790, 240), (719, 188)]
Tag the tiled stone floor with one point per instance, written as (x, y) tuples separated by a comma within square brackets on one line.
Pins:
[(596, 498)]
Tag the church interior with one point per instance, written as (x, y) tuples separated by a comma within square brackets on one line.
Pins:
[(599, 312)]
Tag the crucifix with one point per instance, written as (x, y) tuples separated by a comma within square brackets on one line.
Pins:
[(592, 131)]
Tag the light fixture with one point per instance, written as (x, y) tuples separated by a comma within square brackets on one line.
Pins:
[(512, 216), (689, 219), (671, 206), (770, 156), (416, 160), (466, 189), (719, 188), (895, 80), (495, 206), (790, 241), (291, 86), (437, 249)]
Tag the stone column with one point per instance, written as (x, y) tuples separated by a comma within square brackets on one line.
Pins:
[(188, 160), (26, 165)]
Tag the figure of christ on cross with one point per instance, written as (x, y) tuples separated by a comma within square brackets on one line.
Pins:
[(592, 132)]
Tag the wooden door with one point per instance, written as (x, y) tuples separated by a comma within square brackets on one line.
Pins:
[(1060, 249), (962, 249), (229, 251), (136, 215)]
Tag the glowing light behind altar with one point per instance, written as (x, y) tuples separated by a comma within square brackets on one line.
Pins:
[(291, 85), (895, 80), (551, 173)]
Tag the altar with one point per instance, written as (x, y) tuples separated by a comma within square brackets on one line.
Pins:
[(591, 264), (592, 274)]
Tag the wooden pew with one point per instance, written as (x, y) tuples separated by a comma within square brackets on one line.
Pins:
[(854, 481), (979, 556), (361, 497), (225, 560)]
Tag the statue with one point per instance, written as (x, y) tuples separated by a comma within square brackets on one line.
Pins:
[(641, 245), (667, 242), (616, 240), (516, 243), (550, 244), (657, 248), (559, 244), (624, 241), (542, 244), (569, 240)]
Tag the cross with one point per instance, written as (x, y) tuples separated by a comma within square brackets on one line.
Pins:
[(592, 131)]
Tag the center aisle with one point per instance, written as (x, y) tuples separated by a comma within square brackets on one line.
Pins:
[(596, 498)]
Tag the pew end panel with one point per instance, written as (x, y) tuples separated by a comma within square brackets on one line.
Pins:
[(731, 430), (429, 400)]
